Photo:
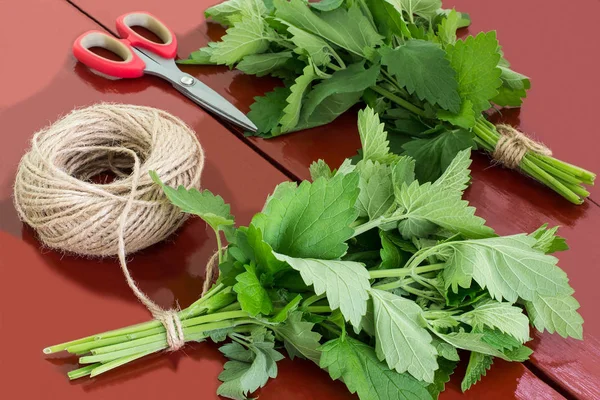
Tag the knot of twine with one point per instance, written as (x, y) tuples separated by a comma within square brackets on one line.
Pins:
[(54, 192), (513, 145)]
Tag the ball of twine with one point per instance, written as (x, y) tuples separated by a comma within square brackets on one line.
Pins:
[(55, 195), (55, 192)]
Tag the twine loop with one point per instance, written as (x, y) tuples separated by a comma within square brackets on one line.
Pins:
[(55, 194), (513, 145)]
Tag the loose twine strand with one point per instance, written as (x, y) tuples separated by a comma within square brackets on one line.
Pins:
[(513, 145), (54, 193)]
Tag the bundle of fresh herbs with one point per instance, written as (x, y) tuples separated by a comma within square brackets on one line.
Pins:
[(402, 58), (379, 279)]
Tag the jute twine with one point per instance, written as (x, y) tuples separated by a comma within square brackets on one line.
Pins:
[(513, 145), (54, 193)]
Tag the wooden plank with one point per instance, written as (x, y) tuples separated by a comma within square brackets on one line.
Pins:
[(559, 111)]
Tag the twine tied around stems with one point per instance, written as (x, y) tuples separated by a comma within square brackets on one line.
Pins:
[(513, 145), (55, 192)]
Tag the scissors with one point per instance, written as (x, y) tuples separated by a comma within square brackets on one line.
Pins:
[(143, 56)]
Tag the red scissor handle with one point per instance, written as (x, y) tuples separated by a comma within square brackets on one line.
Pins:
[(132, 66), (166, 49)]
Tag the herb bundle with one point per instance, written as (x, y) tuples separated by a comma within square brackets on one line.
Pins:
[(402, 58), (379, 279)]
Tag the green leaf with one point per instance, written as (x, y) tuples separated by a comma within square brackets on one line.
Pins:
[(344, 282), (249, 36), (310, 220), (471, 342), (465, 118), (298, 337), (424, 208), (200, 56), (291, 112), (310, 45), (289, 308), (333, 96), (401, 338), (423, 8), (391, 255), (252, 296), (507, 266), (349, 29), (388, 21), (376, 189), (556, 314), (249, 369), (266, 110), (547, 240), (263, 64), (448, 27), (320, 169), (356, 364), (422, 68), (445, 350), (373, 137), (442, 376), (232, 11), (326, 5), (212, 209), (257, 250), (513, 90), (503, 316), (477, 368), (434, 155), (475, 61)]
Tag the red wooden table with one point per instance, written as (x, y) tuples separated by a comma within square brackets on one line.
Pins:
[(59, 298)]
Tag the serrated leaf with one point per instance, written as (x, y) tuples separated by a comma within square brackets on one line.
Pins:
[(212, 209), (556, 314), (291, 112), (448, 27), (434, 155), (373, 137), (298, 337), (507, 266), (344, 282), (320, 169), (311, 220), (200, 56), (376, 189), (548, 241), (250, 369), (442, 376), (476, 369), (252, 296), (333, 96), (401, 338), (310, 45), (387, 20), (424, 208), (248, 36), (475, 61), (263, 64), (423, 8), (503, 316), (513, 90), (266, 111), (465, 118), (445, 350), (349, 29), (422, 68), (231, 11), (391, 255), (357, 365)]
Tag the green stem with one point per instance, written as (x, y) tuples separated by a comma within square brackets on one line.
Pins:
[(220, 246), (312, 299), (402, 272), (318, 309), (398, 100)]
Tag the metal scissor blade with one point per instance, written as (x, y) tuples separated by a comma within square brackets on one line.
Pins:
[(208, 98), (195, 89)]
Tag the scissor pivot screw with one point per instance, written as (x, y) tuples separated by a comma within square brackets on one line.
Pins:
[(187, 80)]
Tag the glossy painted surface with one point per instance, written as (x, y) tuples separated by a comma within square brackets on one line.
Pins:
[(47, 297), (562, 61)]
